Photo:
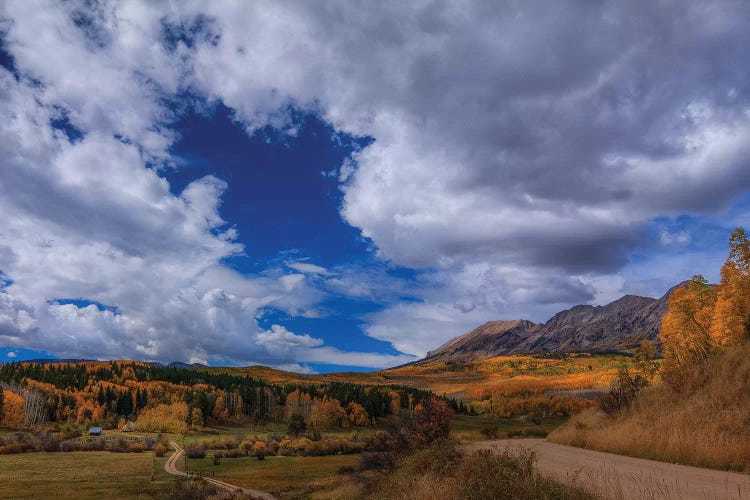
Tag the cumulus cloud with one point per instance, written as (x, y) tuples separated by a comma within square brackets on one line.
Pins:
[(520, 150)]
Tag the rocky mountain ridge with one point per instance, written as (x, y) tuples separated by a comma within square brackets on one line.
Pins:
[(617, 326)]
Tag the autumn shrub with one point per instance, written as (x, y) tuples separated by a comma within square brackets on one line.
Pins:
[(95, 444), (119, 446), (137, 447), (440, 470), (11, 448), (509, 475), (190, 489), (70, 431), (259, 450), (378, 460), (623, 392), (160, 450), (221, 444), (378, 441), (195, 452), (431, 421)]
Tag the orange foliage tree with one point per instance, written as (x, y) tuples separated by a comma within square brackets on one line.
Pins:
[(13, 412), (431, 421), (357, 414)]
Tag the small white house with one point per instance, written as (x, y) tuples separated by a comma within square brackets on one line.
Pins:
[(129, 427)]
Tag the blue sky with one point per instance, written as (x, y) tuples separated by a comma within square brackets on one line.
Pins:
[(346, 187)]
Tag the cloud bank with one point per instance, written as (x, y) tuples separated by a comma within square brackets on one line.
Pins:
[(521, 152)]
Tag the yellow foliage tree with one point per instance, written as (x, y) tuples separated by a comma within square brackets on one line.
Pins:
[(685, 329), (164, 418), (732, 312), (702, 318)]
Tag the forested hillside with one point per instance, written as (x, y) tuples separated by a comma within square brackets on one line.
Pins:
[(161, 398)]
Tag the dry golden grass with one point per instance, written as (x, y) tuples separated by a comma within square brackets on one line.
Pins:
[(706, 424), (442, 471)]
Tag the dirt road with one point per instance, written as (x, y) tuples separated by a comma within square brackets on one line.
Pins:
[(621, 477), (171, 467)]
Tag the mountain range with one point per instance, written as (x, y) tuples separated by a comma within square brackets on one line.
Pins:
[(617, 326)]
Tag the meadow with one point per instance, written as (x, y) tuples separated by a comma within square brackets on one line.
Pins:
[(291, 477), (82, 475)]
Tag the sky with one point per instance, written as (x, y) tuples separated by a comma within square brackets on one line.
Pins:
[(346, 185)]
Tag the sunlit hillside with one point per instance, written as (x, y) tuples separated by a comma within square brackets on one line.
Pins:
[(500, 386)]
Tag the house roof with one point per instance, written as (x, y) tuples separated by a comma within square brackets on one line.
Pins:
[(95, 429)]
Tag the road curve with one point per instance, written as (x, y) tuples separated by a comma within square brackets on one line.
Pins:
[(620, 477), (170, 466)]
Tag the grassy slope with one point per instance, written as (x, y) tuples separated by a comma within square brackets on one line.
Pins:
[(707, 424), (81, 475)]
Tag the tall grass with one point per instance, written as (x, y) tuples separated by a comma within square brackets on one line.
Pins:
[(441, 471), (707, 423)]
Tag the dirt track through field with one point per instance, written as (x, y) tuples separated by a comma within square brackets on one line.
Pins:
[(170, 466), (620, 477)]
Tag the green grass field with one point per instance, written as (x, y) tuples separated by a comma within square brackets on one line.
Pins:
[(292, 477), (82, 475)]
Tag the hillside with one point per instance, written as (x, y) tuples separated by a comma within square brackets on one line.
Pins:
[(703, 424), (617, 326)]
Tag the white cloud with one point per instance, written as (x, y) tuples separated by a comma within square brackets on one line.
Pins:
[(512, 156), (667, 238), (306, 267), (11, 354)]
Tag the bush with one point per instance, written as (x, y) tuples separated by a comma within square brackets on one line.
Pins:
[(431, 421), (195, 452), (216, 458), (190, 489), (509, 475), (160, 450), (441, 471), (11, 448), (379, 460), (624, 390), (137, 447)]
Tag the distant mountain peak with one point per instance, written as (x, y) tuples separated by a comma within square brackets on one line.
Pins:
[(620, 325)]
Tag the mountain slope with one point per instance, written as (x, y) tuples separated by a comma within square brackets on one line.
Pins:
[(619, 325), (486, 340)]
